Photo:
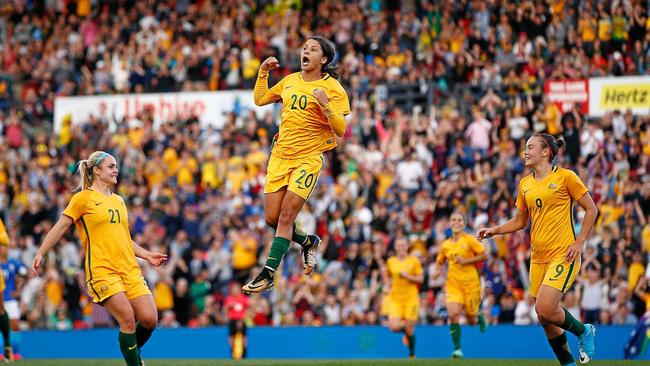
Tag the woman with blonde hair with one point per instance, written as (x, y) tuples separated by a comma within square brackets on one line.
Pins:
[(113, 275)]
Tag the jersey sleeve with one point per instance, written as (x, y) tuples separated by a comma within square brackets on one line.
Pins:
[(4, 236), (125, 221), (574, 185), (520, 203), (276, 90), (389, 267), (417, 267), (339, 99), (77, 206), (440, 259), (474, 244), (261, 92)]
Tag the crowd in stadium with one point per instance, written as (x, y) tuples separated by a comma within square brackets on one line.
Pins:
[(196, 192)]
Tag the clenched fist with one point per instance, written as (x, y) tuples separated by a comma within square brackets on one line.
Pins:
[(321, 97), (270, 63)]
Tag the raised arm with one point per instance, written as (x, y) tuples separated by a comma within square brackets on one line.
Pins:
[(52, 237), (261, 92)]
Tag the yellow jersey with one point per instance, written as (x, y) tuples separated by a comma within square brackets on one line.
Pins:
[(304, 128), (402, 289), (466, 246), (103, 226), (4, 236), (549, 204)]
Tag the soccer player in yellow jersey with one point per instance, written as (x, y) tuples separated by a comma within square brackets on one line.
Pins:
[(4, 317), (314, 105), (463, 285), (403, 275), (113, 275), (546, 197)]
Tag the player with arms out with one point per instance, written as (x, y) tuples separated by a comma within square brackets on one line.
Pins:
[(4, 317), (403, 275), (113, 275), (463, 285), (546, 196), (314, 106)]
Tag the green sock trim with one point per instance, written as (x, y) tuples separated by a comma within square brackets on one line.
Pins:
[(454, 330), (129, 347), (279, 247), (411, 339), (299, 236), (481, 322), (142, 334), (561, 349), (571, 324), (5, 328)]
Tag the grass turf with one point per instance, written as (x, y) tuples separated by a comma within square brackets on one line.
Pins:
[(415, 362)]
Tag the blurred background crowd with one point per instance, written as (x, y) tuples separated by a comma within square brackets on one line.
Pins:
[(195, 192)]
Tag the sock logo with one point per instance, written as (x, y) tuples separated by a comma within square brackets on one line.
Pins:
[(133, 347)]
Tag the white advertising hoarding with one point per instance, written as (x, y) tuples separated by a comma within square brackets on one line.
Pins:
[(211, 108), (619, 93)]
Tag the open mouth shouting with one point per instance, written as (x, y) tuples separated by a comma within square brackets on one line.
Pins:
[(305, 61)]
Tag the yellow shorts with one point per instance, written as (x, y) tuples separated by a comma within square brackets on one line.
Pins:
[(557, 274), (103, 287), (298, 175), (404, 309), (468, 296)]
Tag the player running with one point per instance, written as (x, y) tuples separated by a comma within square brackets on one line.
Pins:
[(463, 285), (403, 275), (546, 197)]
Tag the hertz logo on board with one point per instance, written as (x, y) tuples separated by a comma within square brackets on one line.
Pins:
[(623, 96)]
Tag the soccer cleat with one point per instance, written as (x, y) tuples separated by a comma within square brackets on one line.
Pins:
[(310, 254), (9, 355), (457, 354), (140, 357), (263, 281), (586, 345)]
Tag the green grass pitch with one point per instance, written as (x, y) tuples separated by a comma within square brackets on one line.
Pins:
[(416, 362)]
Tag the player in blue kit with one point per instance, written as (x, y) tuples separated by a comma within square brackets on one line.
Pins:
[(11, 270)]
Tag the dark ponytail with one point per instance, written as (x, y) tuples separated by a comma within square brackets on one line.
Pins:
[(552, 143), (329, 51)]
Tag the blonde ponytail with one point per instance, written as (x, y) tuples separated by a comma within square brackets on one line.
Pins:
[(85, 169)]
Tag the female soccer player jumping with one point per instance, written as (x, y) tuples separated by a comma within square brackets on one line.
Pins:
[(112, 273), (547, 196), (463, 285), (314, 105)]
